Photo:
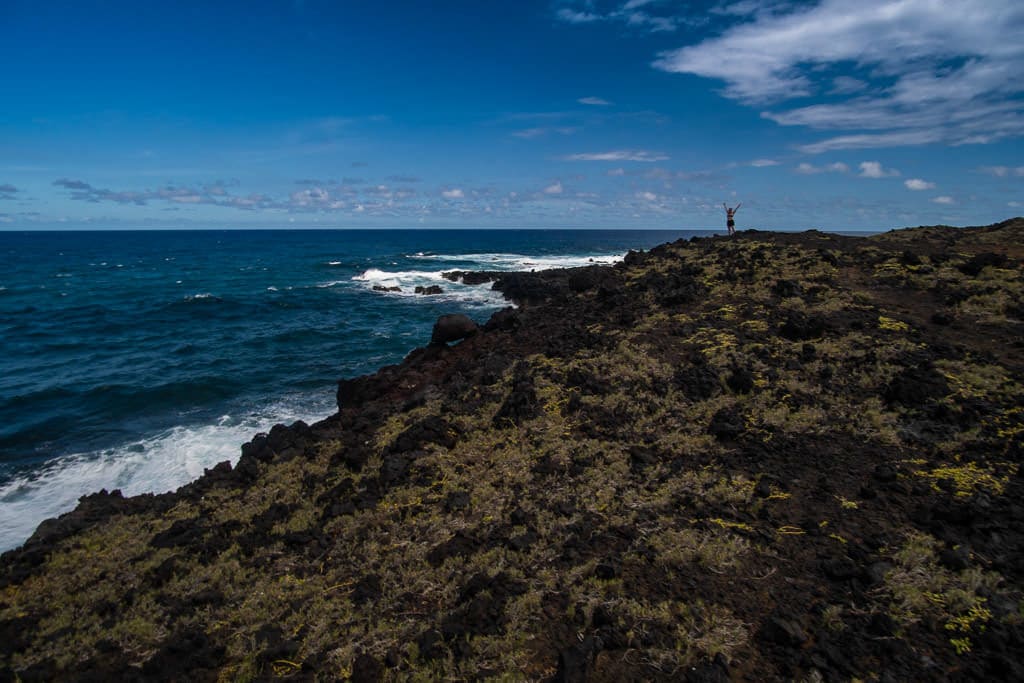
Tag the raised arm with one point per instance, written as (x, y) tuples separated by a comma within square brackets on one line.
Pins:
[(737, 208), (725, 207)]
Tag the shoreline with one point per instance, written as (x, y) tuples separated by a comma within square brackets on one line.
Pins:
[(770, 405)]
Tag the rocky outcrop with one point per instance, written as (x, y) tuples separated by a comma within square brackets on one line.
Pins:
[(754, 458), (452, 327)]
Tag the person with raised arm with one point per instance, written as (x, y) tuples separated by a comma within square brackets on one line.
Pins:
[(730, 222)]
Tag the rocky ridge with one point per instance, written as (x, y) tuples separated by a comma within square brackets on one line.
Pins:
[(773, 456)]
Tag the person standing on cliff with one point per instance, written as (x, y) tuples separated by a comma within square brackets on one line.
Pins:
[(730, 222)]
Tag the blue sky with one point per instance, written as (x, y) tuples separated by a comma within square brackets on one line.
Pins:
[(838, 114)]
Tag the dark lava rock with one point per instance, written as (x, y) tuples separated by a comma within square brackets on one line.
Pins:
[(591, 278), (916, 386), (884, 473), (431, 430), (184, 532), (457, 500), (366, 589), (183, 655), (782, 631), (727, 423), (741, 380), (941, 318), (716, 671), (576, 663), (641, 457), (452, 327), (367, 669), (459, 544), (799, 326), (956, 559), (840, 568), (975, 265), (429, 290), (697, 382), (507, 319), (521, 403), (382, 288), (877, 571), (786, 289)]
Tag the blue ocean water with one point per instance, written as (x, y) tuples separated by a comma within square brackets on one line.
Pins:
[(134, 360)]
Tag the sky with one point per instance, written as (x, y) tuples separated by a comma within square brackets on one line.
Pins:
[(831, 114)]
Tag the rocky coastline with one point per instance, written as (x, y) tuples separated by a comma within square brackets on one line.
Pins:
[(773, 456)]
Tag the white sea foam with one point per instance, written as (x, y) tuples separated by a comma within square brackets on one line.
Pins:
[(408, 280), (271, 288), (503, 261), (201, 295), (334, 263), (156, 464)]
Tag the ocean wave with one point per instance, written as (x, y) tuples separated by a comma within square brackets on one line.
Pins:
[(403, 283), (515, 262), (160, 463)]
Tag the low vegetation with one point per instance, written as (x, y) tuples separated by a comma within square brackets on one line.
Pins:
[(767, 457)]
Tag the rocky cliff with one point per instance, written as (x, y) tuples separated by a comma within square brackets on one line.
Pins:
[(773, 456)]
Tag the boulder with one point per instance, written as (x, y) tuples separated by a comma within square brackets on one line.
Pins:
[(432, 289), (452, 327)]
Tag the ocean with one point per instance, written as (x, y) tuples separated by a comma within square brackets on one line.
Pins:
[(134, 360)]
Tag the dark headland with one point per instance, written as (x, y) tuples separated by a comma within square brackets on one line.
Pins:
[(766, 457)]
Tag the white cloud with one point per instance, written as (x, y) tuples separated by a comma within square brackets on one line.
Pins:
[(576, 17), (619, 155), (810, 169), (846, 85), (918, 184), (635, 13), (762, 163), (1002, 171), (938, 71), (617, 172), (1015, 205), (554, 189), (657, 24), (647, 196), (530, 133), (594, 101), (874, 169), (898, 139), (455, 193), (943, 200)]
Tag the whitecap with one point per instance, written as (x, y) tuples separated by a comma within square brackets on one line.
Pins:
[(197, 297), (271, 288), (408, 280), (334, 263), (512, 261), (156, 464)]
